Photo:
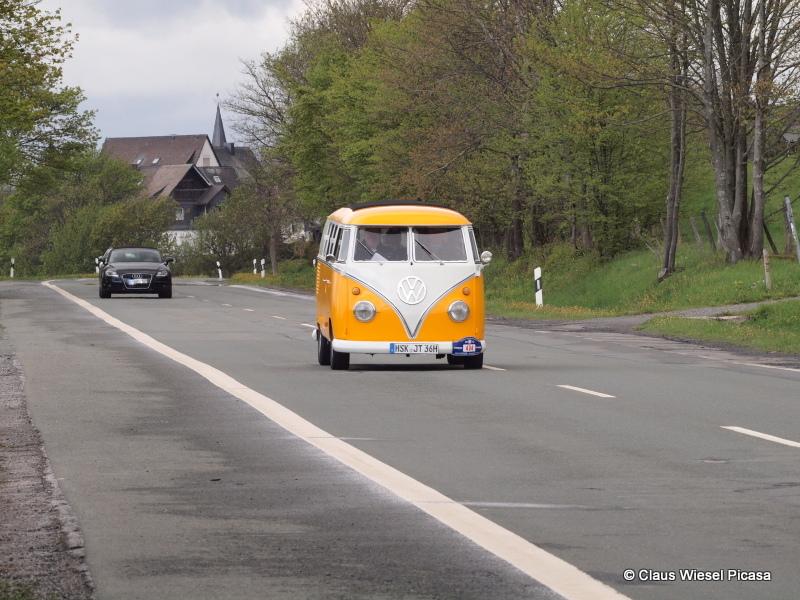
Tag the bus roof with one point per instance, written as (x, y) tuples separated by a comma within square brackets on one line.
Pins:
[(381, 213)]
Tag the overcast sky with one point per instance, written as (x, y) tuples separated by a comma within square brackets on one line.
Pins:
[(153, 67)]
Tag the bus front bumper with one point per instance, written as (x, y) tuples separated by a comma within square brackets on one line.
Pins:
[(410, 347)]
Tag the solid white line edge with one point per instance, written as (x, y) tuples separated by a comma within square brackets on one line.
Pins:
[(585, 391), (549, 570), (763, 436)]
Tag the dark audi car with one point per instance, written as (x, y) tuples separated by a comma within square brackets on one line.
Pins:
[(135, 271)]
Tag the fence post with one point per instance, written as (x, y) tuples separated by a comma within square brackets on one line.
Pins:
[(767, 273), (537, 279), (96, 266), (255, 271), (792, 227), (12, 268), (263, 268), (219, 271), (769, 238)]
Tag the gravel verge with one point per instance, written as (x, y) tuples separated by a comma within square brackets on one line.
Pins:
[(41, 547)]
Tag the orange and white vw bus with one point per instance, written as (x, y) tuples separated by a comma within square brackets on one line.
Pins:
[(403, 278)]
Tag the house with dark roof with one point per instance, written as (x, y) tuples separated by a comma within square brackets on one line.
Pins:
[(197, 172)]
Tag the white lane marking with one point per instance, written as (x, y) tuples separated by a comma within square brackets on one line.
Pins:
[(585, 391), (763, 436), (522, 505), (249, 309), (190, 296), (553, 572), (746, 364), (308, 325), (492, 368), (278, 317), (228, 305), (273, 292)]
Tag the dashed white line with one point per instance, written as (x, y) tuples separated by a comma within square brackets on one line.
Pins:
[(278, 317), (308, 325), (249, 309), (228, 305), (763, 436), (492, 368), (585, 391), (560, 576)]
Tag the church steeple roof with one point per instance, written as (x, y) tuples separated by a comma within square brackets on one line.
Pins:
[(218, 139)]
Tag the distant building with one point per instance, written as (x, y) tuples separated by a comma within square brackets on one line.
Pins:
[(198, 173)]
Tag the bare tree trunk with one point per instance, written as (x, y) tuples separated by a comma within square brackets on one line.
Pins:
[(677, 104), (756, 244), (273, 250)]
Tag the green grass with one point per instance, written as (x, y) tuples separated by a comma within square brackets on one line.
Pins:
[(296, 273), (774, 328), (584, 286), (10, 590)]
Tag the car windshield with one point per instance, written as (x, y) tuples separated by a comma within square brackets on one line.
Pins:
[(439, 244), (384, 244), (135, 255)]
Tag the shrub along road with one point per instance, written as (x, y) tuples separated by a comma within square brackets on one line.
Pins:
[(606, 450)]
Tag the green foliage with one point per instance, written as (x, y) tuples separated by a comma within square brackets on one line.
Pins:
[(64, 214), (39, 117)]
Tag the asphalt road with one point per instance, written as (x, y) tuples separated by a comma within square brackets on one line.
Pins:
[(185, 491)]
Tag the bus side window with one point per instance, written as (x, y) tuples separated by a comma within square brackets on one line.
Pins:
[(344, 246), (323, 243)]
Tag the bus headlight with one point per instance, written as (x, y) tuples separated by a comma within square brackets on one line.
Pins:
[(364, 311), (458, 311)]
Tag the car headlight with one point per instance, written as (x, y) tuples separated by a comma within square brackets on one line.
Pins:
[(162, 273), (111, 273), (458, 311), (364, 311)]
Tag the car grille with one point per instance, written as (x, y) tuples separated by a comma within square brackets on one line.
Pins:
[(128, 278)]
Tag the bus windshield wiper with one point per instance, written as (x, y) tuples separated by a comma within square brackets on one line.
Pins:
[(431, 254)]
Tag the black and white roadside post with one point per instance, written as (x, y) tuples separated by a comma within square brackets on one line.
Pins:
[(96, 266), (219, 271), (791, 224), (537, 280), (263, 268), (12, 268), (767, 271), (255, 270)]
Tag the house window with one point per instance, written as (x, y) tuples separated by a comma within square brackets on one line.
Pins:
[(206, 161), (179, 216), (217, 179)]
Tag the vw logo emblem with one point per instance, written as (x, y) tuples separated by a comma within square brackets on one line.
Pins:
[(411, 290)]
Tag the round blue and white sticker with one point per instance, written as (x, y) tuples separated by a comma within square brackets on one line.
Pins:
[(467, 347)]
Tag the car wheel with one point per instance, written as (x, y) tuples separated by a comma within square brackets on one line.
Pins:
[(104, 294), (340, 361), (455, 360), (323, 349), (473, 362), (166, 293)]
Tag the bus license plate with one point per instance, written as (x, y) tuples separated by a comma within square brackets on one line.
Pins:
[(414, 348)]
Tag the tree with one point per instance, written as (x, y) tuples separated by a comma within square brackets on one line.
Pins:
[(39, 116)]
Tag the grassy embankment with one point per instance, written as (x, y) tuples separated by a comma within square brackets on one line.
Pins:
[(774, 327)]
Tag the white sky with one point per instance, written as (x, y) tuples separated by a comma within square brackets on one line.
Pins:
[(154, 67)]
